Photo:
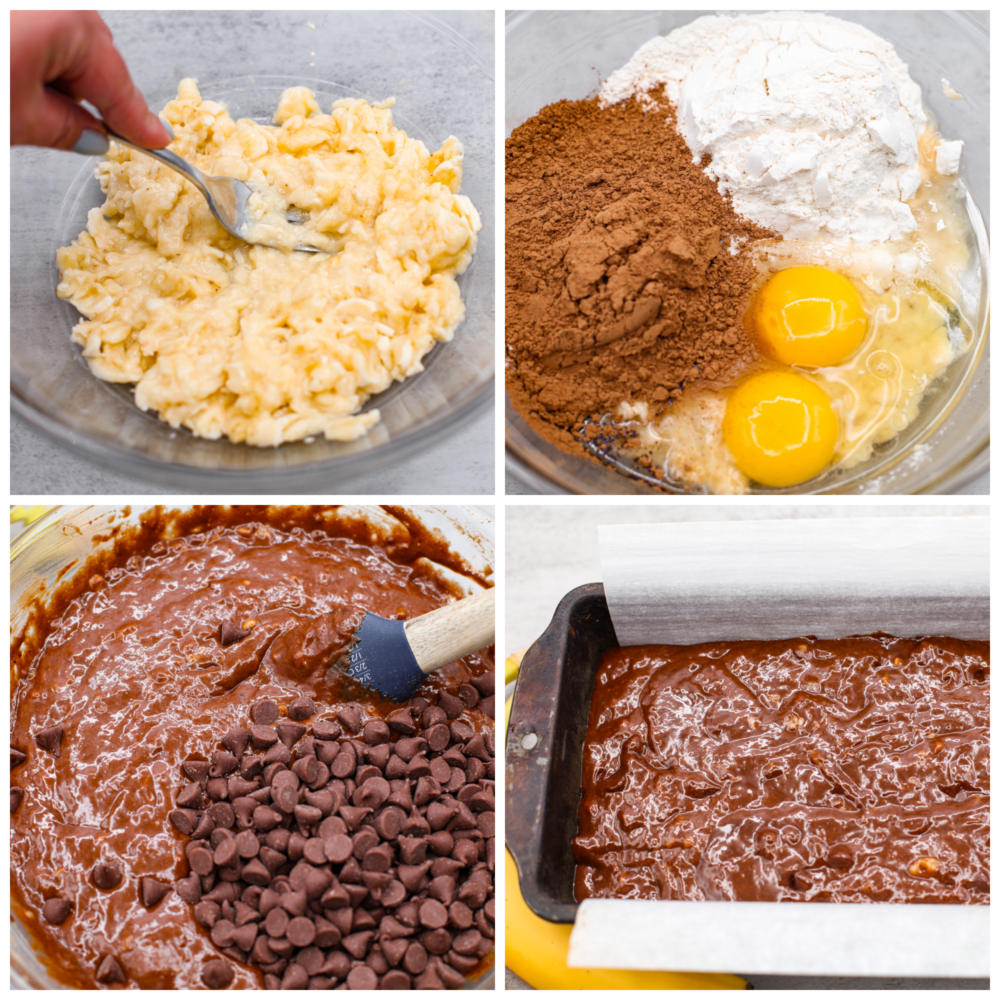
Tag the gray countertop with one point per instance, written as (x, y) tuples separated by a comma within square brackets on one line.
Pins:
[(440, 67)]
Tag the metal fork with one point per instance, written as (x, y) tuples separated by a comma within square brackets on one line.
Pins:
[(226, 196)]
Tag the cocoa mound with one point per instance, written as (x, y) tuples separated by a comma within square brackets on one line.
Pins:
[(620, 280)]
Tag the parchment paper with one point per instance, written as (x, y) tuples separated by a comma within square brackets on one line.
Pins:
[(819, 939), (705, 581)]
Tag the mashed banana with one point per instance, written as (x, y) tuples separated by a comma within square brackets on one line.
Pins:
[(264, 345)]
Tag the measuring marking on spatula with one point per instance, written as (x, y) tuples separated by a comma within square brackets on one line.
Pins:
[(394, 657)]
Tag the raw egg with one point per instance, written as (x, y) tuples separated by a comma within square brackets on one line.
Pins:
[(809, 316), (780, 428)]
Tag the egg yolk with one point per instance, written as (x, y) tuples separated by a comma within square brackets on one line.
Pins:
[(780, 428), (809, 316)]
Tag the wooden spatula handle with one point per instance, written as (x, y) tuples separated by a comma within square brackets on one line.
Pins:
[(453, 631)]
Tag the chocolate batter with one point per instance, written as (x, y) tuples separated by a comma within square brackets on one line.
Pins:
[(133, 671), (847, 770)]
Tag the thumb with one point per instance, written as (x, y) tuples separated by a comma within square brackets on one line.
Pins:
[(58, 121)]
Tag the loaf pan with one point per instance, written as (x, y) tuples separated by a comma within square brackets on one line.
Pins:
[(544, 770)]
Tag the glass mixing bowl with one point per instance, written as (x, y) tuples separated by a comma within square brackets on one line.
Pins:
[(443, 82), (66, 535), (556, 55)]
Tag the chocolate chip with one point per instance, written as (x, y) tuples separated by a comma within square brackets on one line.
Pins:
[(222, 763), (223, 815), (217, 788), (191, 796), (278, 754), (379, 756), (372, 794), (416, 825), (396, 979), (264, 713), (216, 974), (439, 814), (388, 823), (276, 922), (466, 853), (840, 857), (483, 924), (451, 705), (476, 747), (301, 709), (16, 758), (196, 770), (378, 859), (469, 695), (432, 914), (350, 716), (301, 932), (255, 873), (800, 881), (153, 890), (415, 960), (226, 853), (482, 802), (376, 732), (338, 848), (271, 859), (307, 769), (16, 794), (362, 978), (437, 942), (245, 935), (344, 763), (289, 732), (440, 770), (263, 737), (432, 715), (451, 977), (488, 707), (441, 843), (315, 851), (407, 749), (56, 910), (461, 731), (207, 913), (460, 916), (419, 767), (201, 861), (295, 978), (486, 823), (485, 684), (229, 632), (51, 739), (438, 736), (189, 889), (109, 971), (106, 874), (325, 729)]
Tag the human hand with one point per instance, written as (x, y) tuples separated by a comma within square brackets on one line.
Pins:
[(60, 57)]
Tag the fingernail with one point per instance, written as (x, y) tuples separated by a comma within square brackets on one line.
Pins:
[(91, 143), (167, 126)]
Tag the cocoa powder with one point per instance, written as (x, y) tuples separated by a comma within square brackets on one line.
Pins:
[(620, 283)]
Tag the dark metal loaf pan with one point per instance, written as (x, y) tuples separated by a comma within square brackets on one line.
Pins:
[(552, 702)]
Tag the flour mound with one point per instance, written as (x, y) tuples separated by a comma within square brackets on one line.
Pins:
[(811, 122)]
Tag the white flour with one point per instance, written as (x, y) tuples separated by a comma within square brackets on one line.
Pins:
[(811, 122)]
